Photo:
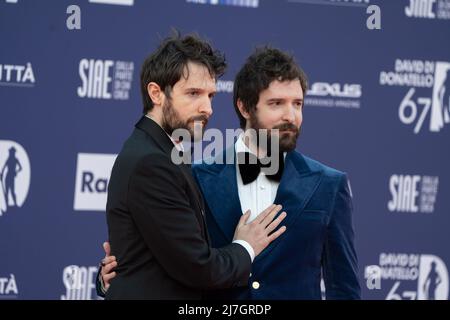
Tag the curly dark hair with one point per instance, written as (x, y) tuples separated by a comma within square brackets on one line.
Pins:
[(265, 65), (166, 65)]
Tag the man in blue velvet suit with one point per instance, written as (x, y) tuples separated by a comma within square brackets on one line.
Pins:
[(268, 94)]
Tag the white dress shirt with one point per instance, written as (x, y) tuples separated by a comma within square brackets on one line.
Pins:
[(255, 196)]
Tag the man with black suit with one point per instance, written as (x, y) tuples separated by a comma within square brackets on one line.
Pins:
[(155, 211)]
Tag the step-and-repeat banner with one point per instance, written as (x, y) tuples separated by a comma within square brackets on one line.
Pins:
[(378, 108)]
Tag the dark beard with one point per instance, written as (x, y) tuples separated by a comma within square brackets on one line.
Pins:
[(286, 142), (171, 120)]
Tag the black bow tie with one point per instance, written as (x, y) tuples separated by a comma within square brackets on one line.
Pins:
[(250, 167)]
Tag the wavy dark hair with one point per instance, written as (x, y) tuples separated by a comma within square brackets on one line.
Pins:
[(265, 65), (166, 65)]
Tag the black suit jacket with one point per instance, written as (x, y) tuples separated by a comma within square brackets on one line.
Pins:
[(157, 228)]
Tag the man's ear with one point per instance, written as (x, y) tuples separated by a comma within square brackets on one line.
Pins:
[(155, 93), (242, 109)]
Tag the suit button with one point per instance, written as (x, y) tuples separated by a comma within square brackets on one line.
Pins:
[(255, 285), (250, 275)]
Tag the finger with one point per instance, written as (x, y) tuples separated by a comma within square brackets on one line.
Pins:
[(268, 219), (275, 223), (108, 268), (107, 260), (107, 278), (244, 218), (277, 233), (107, 248), (263, 214)]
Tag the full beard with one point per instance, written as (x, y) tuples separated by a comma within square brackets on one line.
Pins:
[(172, 121), (287, 140)]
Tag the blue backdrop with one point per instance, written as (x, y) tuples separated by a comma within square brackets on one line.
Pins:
[(378, 108)]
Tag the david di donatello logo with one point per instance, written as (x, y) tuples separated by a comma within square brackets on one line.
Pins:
[(15, 174), (426, 101), (409, 276)]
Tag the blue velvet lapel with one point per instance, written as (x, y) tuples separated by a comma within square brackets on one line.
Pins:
[(219, 187), (297, 185)]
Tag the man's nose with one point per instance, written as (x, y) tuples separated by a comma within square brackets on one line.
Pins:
[(206, 107), (289, 114)]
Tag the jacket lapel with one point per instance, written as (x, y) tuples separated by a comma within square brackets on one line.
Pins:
[(297, 185), (156, 133), (219, 187)]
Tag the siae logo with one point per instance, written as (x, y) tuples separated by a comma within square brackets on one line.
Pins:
[(105, 79), (91, 185), (413, 193), (420, 9), (79, 282)]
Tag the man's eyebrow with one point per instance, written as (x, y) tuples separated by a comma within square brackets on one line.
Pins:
[(199, 89), (275, 99)]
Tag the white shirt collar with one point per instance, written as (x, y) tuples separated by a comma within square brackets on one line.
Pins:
[(240, 146)]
